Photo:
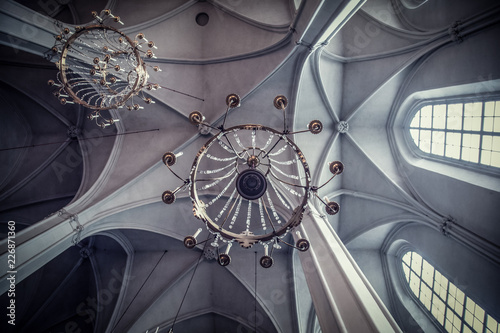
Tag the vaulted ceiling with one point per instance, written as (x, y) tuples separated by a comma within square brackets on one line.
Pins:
[(98, 250)]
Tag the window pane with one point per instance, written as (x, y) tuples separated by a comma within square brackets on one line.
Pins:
[(438, 143), (427, 273), (439, 116), (496, 143), (473, 109), (496, 125), (407, 258), (472, 116), (470, 147), (492, 324), (495, 159), (406, 270), (489, 109), (486, 157), (454, 117), (425, 141), (426, 116), (460, 296), (416, 263), (453, 142), (414, 135), (416, 120), (488, 124)]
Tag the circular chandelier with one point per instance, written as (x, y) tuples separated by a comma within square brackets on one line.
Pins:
[(101, 68), (250, 184)]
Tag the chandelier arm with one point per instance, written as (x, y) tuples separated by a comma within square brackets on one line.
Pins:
[(327, 181), (317, 196), (229, 212), (175, 173), (268, 216), (292, 246), (206, 240), (298, 132), (180, 187), (282, 181)]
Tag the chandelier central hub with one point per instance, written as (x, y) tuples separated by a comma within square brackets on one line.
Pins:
[(253, 161), (251, 184)]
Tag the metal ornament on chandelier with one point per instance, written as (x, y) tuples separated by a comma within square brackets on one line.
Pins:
[(239, 177), (101, 68)]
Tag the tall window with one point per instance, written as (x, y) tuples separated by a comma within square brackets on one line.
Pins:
[(451, 308), (463, 131)]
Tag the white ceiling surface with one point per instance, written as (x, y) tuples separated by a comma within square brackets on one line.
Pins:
[(257, 50)]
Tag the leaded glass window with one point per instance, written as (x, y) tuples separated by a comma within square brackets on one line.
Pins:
[(446, 302), (460, 131)]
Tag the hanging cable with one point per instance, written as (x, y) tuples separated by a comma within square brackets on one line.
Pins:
[(79, 139), (138, 291), (189, 284), (255, 296)]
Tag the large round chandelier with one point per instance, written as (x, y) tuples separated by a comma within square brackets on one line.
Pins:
[(250, 184), (101, 68)]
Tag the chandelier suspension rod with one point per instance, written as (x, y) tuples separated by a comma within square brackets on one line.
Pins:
[(322, 201), (285, 130), (184, 180), (270, 150), (225, 116), (298, 132), (292, 246), (327, 181), (231, 146)]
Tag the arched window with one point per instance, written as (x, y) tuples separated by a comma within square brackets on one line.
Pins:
[(463, 131), (442, 299)]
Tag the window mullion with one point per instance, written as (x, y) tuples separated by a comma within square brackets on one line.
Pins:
[(481, 133), (432, 127), (462, 131), (445, 129)]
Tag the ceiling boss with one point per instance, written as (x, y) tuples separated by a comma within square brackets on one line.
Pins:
[(250, 184)]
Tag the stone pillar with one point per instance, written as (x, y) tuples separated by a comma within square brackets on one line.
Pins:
[(343, 298)]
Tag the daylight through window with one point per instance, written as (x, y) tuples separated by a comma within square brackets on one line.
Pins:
[(460, 131), (447, 303)]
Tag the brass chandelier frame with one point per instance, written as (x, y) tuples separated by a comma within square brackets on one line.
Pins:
[(101, 68), (254, 173)]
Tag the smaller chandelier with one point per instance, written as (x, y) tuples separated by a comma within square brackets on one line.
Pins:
[(101, 68), (241, 176)]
